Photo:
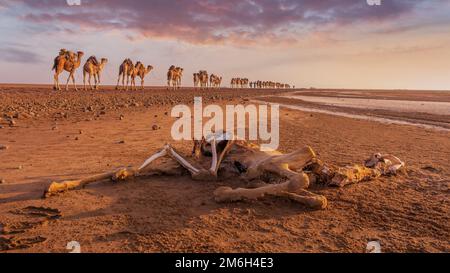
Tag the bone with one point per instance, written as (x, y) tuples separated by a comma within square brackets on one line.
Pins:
[(153, 158), (183, 162), (60, 187), (292, 189), (214, 155), (307, 198), (353, 175), (288, 189)]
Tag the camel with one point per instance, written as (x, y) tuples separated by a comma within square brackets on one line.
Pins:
[(215, 81), (174, 76), (203, 78), (196, 79), (220, 157), (200, 79), (140, 71), (125, 70), (93, 68), (235, 82), (239, 83), (68, 61)]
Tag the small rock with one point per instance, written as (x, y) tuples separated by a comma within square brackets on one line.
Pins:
[(80, 132), (2, 181), (54, 128), (155, 127), (90, 108), (102, 113), (156, 116), (1, 126), (12, 123), (121, 117), (76, 138), (20, 167), (166, 113), (3, 147), (121, 142)]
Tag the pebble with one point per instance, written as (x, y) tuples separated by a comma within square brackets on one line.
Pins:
[(121, 117), (2, 181), (12, 123), (3, 147), (155, 127), (54, 128), (121, 142), (80, 132)]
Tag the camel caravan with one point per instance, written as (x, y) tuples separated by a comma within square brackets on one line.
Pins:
[(201, 80), (174, 76), (269, 84), (128, 72)]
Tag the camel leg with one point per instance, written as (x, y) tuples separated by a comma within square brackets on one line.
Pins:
[(307, 198), (98, 81), (90, 85), (84, 80), (74, 83), (56, 80), (67, 83), (118, 82), (95, 82), (57, 188), (142, 84), (288, 189)]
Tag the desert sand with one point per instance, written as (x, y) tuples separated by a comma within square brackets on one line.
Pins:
[(68, 135)]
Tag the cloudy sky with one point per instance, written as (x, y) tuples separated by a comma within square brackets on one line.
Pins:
[(308, 43)]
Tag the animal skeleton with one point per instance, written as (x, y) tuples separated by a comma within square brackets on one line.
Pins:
[(283, 175)]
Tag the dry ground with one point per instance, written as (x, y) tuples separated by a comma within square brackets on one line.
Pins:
[(71, 135)]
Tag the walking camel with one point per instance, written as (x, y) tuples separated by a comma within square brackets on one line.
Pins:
[(93, 68), (125, 70), (174, 76), (66, 61), (139, 71)]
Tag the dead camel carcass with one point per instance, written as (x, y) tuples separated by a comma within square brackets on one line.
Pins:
[(277, 174)]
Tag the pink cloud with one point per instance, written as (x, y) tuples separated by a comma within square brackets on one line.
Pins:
[(238, 22)]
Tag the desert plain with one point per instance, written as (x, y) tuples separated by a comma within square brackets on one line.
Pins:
[(53, 136)]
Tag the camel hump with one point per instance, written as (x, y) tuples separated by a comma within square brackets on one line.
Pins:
[(93, 59)]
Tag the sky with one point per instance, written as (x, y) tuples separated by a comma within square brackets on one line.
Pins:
[(400, 44)]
